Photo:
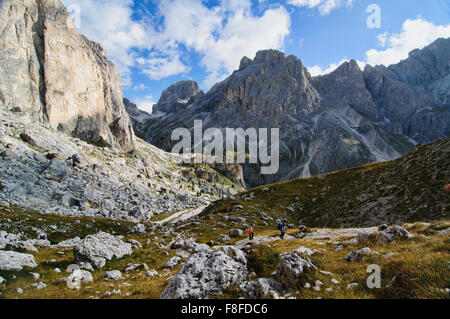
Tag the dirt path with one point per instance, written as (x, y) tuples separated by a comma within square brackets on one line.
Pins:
[(320, 234), (182, 216), (261, 239), (337, 234)]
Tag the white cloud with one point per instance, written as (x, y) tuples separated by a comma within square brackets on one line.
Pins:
[(158, 68), (222, 35), (324, 6), (109, 22), (244, 35), (415, 34), (317, 70), (145, 104)]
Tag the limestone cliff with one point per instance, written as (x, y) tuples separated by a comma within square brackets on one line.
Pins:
[(57, 76)]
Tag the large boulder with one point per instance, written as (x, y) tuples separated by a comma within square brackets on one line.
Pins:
[(394, 233), (207, 273), (262, 288), (13, 261), (235, 233), (290, 268), (57, 171), (97, 249)]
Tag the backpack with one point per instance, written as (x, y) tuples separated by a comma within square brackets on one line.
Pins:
[(280, 226)]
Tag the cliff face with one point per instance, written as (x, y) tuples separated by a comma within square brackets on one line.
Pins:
[(59, 77), (327, 123)]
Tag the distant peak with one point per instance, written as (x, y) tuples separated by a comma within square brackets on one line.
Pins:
[(245, 62), (264, 56)]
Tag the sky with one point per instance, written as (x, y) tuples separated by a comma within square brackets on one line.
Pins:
[(155, 43)]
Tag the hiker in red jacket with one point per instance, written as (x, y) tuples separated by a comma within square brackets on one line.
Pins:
[(447, 188), (251, 233)]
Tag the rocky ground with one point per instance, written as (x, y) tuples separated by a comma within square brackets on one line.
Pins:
[(51, 172), (100, 258), (58, 240)]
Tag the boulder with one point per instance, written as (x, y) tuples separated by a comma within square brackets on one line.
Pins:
[(205, 274), (13, 261), (357, 255), (97, 249), (223, 238), (57, 171), (113, 275), (291, 267), (21, 245), (78, 276), (235, 233), (394, 233), (262, 288)]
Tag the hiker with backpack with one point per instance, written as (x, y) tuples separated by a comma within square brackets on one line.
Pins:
[(282, 229)]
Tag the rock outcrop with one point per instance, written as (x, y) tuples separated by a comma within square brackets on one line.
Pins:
[(177, 96), (327, 123), (138, 117), (57, 76)]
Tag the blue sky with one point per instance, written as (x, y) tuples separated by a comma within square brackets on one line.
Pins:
[(155, 43)]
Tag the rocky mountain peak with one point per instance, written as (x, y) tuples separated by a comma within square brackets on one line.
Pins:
[(245, 62), (176, 96)]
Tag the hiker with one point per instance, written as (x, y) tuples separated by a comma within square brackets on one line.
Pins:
[(251, 233), (280, 228), (283, 230)]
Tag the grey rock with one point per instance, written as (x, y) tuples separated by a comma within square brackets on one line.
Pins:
[(57, 171), (205, 274), (39, 285), (69, 242), (113, 275), (134, 243), (223, 238), (13, 261), (235, 233), (173, 262), (394, 233), (263, 288), (348, 116), (97, 249), (357, 255), (291, 267), (78, 276)]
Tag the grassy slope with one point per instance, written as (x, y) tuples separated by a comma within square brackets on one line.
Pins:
[(407, 189)]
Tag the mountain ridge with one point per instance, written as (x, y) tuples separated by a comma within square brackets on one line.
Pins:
[(342, 119)]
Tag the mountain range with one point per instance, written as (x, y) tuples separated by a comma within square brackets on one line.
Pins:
[(327, 123)]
